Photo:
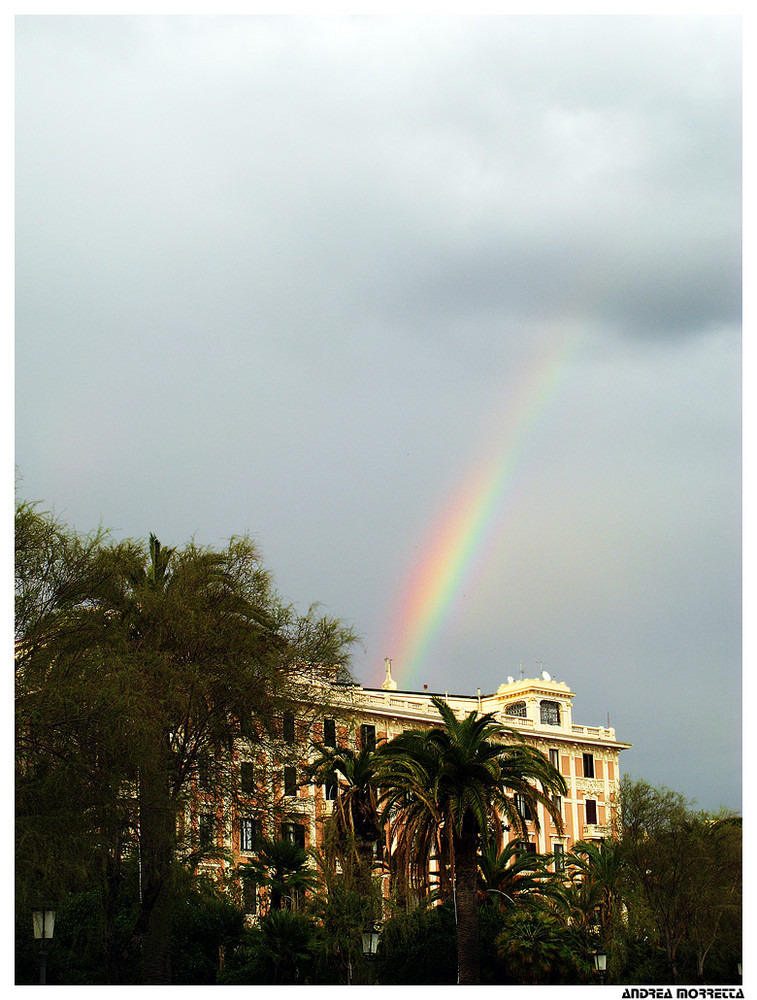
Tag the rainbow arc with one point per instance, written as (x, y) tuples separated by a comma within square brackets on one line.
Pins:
[(454, 553)]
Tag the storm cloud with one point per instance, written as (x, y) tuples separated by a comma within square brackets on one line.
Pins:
[(282, 275)]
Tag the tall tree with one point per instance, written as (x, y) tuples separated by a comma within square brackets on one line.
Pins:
[(461, 778), (598, 872), (355, 824), (135, 667), (684, 869)]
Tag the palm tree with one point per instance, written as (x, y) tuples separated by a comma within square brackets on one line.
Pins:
[(537, 948), (355, 820), (511, 878), (280, 866), (598, 873), (457, 780)]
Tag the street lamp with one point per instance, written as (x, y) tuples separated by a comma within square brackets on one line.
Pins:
[(43, 921), (370, 942), (600, 964)]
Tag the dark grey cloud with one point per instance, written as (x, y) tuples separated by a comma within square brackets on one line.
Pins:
[(285, 275)]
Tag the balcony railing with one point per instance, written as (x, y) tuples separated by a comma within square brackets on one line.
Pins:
[(595, 831)]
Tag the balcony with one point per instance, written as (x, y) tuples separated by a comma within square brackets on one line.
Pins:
[(595, 831), (594, 732)]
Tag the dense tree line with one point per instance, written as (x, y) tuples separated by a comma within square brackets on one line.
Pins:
[(137, 666)]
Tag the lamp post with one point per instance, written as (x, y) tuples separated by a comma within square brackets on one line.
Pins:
[(600, 964), (370, 943), (43, 921)]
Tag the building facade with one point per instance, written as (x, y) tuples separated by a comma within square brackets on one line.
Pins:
[(273, 797)]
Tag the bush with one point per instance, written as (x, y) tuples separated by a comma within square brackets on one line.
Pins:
[(419, 948)]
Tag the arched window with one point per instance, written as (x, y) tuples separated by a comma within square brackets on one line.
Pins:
[(516, 708), (550, 713)]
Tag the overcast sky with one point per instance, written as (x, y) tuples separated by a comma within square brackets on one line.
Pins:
[(329, 281)]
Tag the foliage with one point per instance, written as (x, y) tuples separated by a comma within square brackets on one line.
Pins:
[(343, 908), (206, 925), (280, 951), (445, 788), (511, 877), (684, 878), (355, 824), (418, 948), (538, 949), (136, 667), (281, 867)]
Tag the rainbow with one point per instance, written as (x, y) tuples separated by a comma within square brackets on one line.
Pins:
[(454, 554)]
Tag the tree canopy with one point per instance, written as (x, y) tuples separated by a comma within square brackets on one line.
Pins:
[(136, 666)]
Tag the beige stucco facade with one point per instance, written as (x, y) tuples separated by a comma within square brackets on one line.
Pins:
[(278, 800)]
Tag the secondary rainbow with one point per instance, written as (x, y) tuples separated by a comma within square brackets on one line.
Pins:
[(454, 554)]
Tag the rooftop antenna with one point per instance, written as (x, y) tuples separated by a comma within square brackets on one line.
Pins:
[(521, 670)]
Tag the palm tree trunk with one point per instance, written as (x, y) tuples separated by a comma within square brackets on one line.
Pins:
[(466, 907)]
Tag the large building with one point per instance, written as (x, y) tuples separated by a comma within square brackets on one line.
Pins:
[(273, 799)]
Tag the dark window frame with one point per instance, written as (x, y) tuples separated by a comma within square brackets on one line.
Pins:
[(329, 732), (525, 847), (588, 765), (206, 828), (247, 777), (294, 832), (549, 713), (367, 736), (289, 780), (248, 834), (288, 727), (523, 807), (591, 812)]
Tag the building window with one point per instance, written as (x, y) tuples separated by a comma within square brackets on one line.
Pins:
[(523, 807), (516, 708), (525, 847), (591, 812), (204, 775), (588, 765), (368, 737), (205, 827), (294, 832), (329, 732), (249, 896), (554, 759), (550, 713), (247, 777), (559, 852), (557, 803), (248, 835), (290, 781), (287, 728), (330, 788)]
